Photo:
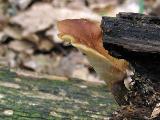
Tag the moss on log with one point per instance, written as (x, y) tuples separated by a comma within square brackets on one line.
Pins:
[(24, 98)]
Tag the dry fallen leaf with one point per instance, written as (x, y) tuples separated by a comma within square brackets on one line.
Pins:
[(37, 18), (21, 46), (12, 32), (74, 4), (75, 66), (42, 16), (40, 63), (3, 21), (45, 45)]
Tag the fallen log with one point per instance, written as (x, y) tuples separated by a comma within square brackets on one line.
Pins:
[(31, 98), (135, 32), (135, 38)]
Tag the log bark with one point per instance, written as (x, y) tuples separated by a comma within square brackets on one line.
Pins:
[(30, 98), (135, 38), (135, 32)]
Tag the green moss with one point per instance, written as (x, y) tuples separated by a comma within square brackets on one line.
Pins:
[(44, 99)]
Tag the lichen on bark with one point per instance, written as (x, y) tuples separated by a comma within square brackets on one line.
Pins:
[(25, 98)]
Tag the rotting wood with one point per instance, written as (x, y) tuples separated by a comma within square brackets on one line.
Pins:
[(135, 32), (135, 38)]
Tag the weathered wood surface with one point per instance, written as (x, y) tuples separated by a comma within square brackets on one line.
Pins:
[(136, 38), (23, 98), (133, 31)]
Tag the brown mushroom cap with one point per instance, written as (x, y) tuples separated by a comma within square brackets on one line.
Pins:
[(86, 35)]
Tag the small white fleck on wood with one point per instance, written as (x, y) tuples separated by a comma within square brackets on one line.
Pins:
[(1, 96), (8, 112), (83, 86)]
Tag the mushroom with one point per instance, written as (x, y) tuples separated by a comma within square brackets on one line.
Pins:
[(86, 35)]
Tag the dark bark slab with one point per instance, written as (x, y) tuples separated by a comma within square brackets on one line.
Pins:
[(135, 32), (136, 38)]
